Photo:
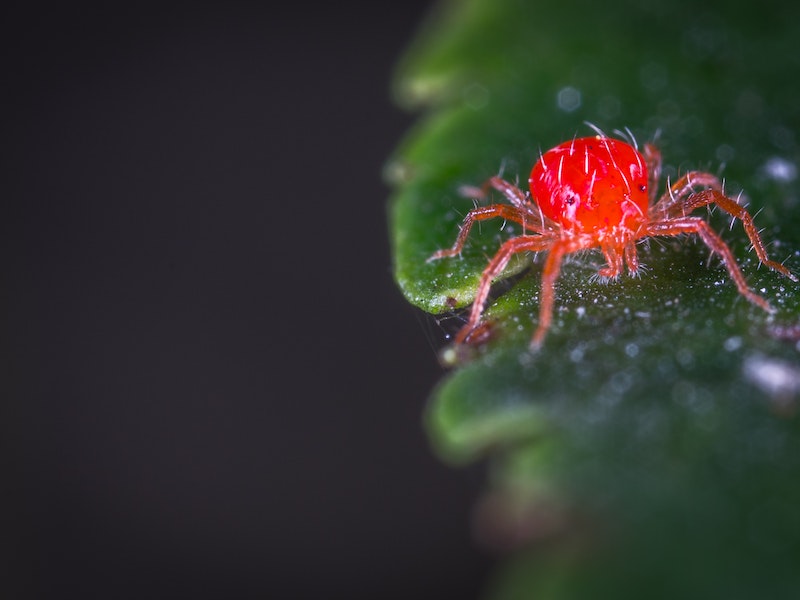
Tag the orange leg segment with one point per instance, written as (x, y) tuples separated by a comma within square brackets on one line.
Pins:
[(652, 157), (551, 271), (524, 243), (674, 202), (512, 193), (738, 212), (503, 211), (716, 244), (614, 260)]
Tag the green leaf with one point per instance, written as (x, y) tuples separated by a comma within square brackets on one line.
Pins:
[(650, 448)]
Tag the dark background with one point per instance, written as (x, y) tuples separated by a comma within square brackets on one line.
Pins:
[(212, 388)]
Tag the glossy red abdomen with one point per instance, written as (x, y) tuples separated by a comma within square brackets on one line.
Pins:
[(593, 185)]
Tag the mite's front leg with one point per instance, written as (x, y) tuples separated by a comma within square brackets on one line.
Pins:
[(511, 192), (673, 202), (737, 211), (524, 243), (503, 211), (715, 244)]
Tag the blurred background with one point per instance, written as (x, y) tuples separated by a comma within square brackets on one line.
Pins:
[(211, 388)]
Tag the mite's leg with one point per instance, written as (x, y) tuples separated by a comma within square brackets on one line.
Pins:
[(493, 269), (551, 271), (716, 244), (614, 260), (673, 201), (652, 158), (632, 258), (737, 211), (512, 193), (511, 213)]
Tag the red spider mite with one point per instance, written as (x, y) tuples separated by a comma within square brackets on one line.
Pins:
[(600, 192)]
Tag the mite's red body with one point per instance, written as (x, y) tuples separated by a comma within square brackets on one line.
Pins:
[(600, 192)]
